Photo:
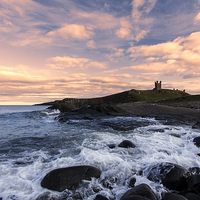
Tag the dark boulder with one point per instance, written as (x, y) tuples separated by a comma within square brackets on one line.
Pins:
[(172, 196), (192, 196), (194, 183), (196, 125), (69, 178), (126, 144), (47, 196), (142, 190), (132, 182), (100, 197), (172, 176), (111, 146), (197, 141)]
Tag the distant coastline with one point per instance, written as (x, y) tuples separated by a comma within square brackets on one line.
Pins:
[(178, 104)]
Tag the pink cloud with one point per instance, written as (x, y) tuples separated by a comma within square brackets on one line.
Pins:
[(155, 50), (75, 31), (197, 18), (60, 62), (115, 54), (91, 44)]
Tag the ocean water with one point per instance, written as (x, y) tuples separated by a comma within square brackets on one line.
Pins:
[(34, 142)]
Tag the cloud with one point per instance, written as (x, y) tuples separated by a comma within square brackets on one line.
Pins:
[(191, 42), (136, 14), (197, 18), (155, 50), (74, 31), (91, 44), (138, 25), (115, 54), (110, 71), (32, 23), (125, 29), (180, 57), (59, 62), (122, 75), (193, 75), (20, 74), (146, 77), (97, 19)]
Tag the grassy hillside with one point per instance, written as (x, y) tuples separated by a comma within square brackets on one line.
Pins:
[(184, 99), (127, 97)]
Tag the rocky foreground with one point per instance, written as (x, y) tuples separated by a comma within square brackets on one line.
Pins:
[(182, 184)]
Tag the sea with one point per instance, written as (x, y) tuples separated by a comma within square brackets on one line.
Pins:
[(33, 142)]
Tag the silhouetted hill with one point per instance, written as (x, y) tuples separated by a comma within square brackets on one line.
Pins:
[(131, 96)]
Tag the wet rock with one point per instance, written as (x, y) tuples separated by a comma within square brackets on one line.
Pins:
[(194, 170), (142, 191), (194, 183), (196, 125), (100, 197), (132, 182), (109, 182), (172, 176), (69, 178), (47, 196), (197, 141), (172, 196), (111, 146), (192, 196), (126, 144), (136, 197)]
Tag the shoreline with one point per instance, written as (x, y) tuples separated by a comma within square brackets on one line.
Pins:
[(153, 109), (168, 114)]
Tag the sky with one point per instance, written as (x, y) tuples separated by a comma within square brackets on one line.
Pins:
[(55, 49)]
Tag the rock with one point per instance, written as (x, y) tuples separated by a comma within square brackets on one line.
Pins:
[(172, 196), (132, 182), (69, 178), (196, 125), (194, 170), (136, 197), (194, 183), (142, 190), (100, 197), (171, 175), (47, 196), (111, 146), (197, 141), (192, 196), (126, 144)]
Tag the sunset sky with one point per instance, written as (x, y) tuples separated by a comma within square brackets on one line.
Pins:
[(52, 49)]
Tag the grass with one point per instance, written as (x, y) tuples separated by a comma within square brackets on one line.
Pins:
[(128, 97), (184, 99)]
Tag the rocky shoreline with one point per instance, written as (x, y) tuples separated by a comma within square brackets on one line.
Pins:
[(171, 114), (180, 184), (192, 104)]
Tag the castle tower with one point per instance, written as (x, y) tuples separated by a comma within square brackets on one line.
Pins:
[(157, 86)]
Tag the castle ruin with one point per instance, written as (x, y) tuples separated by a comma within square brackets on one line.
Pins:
[(158, 86)]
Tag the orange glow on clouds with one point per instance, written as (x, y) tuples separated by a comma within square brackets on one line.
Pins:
[(59, 49)]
